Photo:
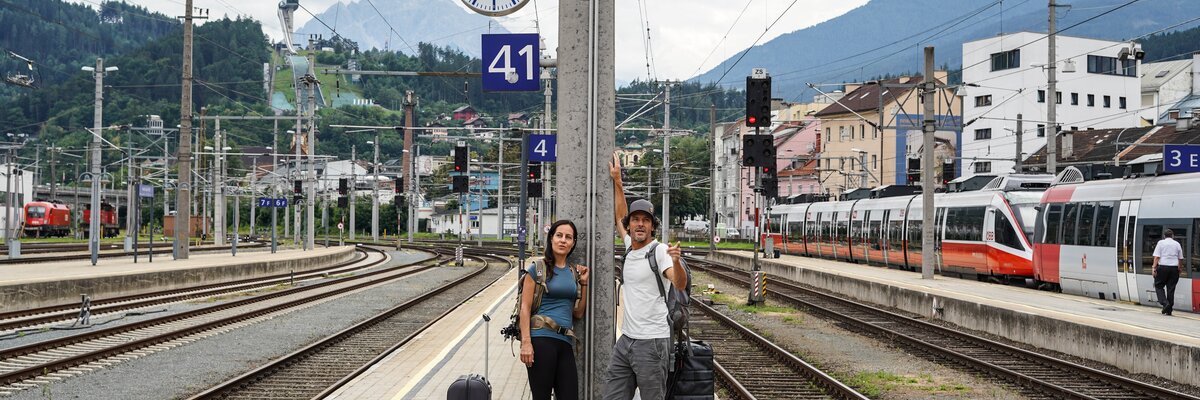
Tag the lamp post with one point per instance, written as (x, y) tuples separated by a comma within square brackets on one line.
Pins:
[(375, 190), (98, 73)]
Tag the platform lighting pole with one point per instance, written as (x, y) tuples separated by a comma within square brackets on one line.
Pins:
[(98, 72), (254, 191), (275, 188), (927, 182), (375, 191)]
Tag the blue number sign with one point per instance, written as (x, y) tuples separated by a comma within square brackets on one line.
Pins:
[(145, 191), (543, 148), (281, 202), (510, 62), (1181, 158), (265, 202)]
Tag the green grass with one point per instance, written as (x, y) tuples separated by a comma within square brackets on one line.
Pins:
[(739, 303), (875, 384)]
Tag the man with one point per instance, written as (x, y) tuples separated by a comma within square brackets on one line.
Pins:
[(641, 356), (1167, 254)]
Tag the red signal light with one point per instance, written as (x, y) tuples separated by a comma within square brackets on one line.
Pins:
[(751, 120)]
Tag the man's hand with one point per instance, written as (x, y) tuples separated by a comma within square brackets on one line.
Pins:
[(675, 252), (614, 168)]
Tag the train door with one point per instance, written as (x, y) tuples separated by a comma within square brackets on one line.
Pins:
[(1126, 267), (1152, 232), (875, 243), (939, 229)]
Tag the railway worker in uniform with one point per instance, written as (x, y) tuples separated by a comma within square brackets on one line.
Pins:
[(1167, 254), (547, 335), (641, 356)]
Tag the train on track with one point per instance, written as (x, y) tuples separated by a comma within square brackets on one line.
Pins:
[(108, 220), (1090, 238), (46, 219)]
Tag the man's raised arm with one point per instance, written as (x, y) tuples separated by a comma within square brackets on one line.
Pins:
[(619, 206)]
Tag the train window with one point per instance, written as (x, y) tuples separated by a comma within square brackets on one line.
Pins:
[(825, 232), (1150, 236), (1005, 234), (1053, 222), (37, 212), (875, 238), (795, 231), (842, 232), (973, 230), (914, 235), (951, 223), (1087, 215), (895, 235), (1104, 216), (1070, 217)]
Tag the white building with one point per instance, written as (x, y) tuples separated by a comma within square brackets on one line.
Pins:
[(1164, 84), (20, 190), (448, 222), (1104, 91)]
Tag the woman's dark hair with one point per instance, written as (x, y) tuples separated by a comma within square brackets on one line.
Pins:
[(549, 252)]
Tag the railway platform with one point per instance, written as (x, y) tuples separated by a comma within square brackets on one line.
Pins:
[(24, 286), (453, 346), (1136, 338)]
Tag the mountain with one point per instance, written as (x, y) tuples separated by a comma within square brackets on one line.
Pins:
[(887, 37), (440, 22)]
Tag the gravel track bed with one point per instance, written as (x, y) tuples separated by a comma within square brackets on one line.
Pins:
[(128, 317), (875, 368), (193, 367)]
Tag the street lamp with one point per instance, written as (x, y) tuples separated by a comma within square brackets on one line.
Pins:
[(375, 190), (98, 73)]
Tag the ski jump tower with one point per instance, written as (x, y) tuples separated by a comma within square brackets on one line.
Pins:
[(287, 8)]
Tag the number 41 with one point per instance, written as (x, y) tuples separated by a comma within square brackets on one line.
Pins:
[(504, 56)]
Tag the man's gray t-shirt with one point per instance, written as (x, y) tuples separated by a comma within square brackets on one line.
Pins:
[(645, 310)]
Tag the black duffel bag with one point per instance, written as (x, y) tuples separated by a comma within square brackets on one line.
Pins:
[(692, 377)]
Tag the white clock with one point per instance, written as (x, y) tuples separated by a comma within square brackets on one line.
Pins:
[(495, 8)]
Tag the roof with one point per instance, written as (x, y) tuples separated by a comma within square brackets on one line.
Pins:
[(1154, 75), (464, 108), (866, 97), (1185, 107), (1101, 145), (808, 169)]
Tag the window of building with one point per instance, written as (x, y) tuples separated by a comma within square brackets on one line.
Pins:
[(828, 135), (1111, 66), (842, 164), (983, 101), (1057, 97), (1006, 60), (862, 129), (1091, 100), (1107, 101), (874, 161), (1074, 99), (852, 132), (1041, 130), (841, 134), (1041, 96), (983, 166), (1121, 102), (983, 134), (1075, 128)]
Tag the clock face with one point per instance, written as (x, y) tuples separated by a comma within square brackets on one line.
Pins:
[(495, 8)]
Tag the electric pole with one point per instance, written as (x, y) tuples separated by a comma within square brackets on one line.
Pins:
[(666, 178), (353, 185), (408, 158), (94, 233), (1051, 99), (1020, 132), (375, 193), (712, 177), (927, 183), (183, 195)]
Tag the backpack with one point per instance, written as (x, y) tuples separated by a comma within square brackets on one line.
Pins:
[(513, 330), (677, 300)]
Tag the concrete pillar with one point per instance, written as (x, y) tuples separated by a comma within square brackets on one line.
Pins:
[(587, 137)]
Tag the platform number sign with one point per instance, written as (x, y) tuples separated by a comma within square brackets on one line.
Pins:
[(510, 62), (543, 148), (1181, 158), (271, 202)]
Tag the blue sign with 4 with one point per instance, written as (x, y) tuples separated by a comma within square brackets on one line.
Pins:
[(543, 148), (510, 62)]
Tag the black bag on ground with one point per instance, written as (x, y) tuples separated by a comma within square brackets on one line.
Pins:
[(470, 387), (693, 377)]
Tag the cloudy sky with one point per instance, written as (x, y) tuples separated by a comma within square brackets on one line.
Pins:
[(686, 37)]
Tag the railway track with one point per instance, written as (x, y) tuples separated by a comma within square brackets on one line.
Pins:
[(1035, 375), (34, 317), (115, 251), (322, 367), (751, 367), (27, 366)]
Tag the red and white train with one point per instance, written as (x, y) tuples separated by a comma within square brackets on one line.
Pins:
[(1097, 238), (983, 234), (1093, 238)]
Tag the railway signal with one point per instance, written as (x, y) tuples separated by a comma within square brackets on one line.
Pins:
[(460, 159), (343, 186), (769, 181), (758, 101), (758, 150)]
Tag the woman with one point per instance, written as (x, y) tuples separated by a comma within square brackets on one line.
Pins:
[(547, 338)]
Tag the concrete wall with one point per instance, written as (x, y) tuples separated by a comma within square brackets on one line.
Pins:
[(41, 294), (1133, 353)]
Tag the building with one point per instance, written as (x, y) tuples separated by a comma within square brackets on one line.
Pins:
[(796, 144), (1098, 87), (448, 222), (464, 113), (518, 119), (1165, 84), (1093, 150), (630, 154), (19, 189), (873, 135)]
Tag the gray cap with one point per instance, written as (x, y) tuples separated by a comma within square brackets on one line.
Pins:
[(641, 205)]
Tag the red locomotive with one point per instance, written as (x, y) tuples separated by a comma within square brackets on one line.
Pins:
[(47, 218), (108, 220)]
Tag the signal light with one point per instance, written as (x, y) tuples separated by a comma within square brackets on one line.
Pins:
[(343, 186), (298, 186), (758, 102), (533, 190), (460, 159), (535, 171), (460, 184), (343, 202), (751, 121)]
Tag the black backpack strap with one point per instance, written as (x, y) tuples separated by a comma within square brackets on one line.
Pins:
[(652, 256)]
